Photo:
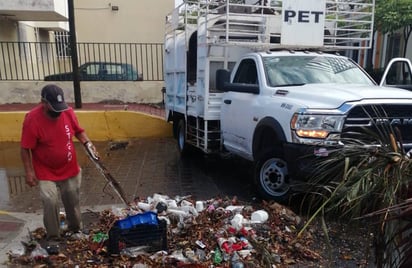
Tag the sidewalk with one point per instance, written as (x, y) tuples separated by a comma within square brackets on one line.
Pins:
[(15, 227)]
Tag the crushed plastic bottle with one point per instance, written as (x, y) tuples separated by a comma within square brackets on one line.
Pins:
[(100, 237), (237, 221), (259, 216), (224, 245), (17, 251), (62, 217), (200, 206), (39, 253), (134, 251), (236, 262), (217, 256), (200, 254)]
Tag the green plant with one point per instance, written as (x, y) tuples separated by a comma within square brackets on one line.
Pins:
[(358, 181)]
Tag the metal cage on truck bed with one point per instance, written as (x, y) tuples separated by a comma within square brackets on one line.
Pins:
[(347, 24)]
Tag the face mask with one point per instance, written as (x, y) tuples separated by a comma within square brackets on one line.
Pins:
[(53, 114)]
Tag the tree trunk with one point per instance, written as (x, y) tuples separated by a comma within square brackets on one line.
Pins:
[(406, 34)]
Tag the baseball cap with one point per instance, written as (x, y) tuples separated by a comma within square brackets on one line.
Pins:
[(54, 97)]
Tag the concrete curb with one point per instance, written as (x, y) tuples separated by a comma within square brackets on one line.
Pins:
[(100, 125)]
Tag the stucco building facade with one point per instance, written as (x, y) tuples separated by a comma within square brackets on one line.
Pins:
[(96, 21)]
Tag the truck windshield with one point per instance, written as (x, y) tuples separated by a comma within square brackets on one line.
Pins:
[(311, 69)]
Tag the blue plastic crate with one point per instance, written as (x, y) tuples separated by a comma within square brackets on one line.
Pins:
[(147, 234), (148, 217), (144, 218)]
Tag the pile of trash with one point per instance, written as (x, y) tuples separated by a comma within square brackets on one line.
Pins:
[(179, 232)]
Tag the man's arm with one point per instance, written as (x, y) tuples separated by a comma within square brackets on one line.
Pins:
[(31, 179), (84, 139)]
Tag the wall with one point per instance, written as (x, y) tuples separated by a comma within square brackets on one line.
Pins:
[(100, 125), (8, 30), (91, 92), (141, 21)]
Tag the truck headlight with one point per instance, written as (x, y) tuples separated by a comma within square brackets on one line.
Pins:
[(315, 125)]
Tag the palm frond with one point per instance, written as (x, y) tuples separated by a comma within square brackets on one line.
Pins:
[(369, 177)]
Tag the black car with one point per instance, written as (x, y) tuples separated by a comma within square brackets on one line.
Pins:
[(100, 71)]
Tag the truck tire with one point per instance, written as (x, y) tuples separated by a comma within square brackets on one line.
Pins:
[(182, 146), (271, 177)]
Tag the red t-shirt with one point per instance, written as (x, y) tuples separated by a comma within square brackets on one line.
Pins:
[(51, 143)]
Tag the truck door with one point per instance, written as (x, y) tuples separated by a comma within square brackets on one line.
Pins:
[(237, 109), (398, 73)]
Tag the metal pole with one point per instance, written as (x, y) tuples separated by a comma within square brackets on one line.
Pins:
[(75, 61)]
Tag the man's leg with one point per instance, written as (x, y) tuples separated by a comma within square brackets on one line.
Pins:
[(49, 197), (70, 192)]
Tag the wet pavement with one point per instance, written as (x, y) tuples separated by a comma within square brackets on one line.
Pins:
[(142, 167)]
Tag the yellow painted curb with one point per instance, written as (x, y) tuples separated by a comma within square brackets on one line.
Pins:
[(100, 125)]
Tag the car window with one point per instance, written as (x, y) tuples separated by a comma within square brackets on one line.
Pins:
[(113, 69), (92, 69)]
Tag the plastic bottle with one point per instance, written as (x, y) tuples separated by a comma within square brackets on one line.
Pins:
[(259, 216), (200, 206), (237, 221), (62, 217), (144, 206), (217, 256), (236, 261)]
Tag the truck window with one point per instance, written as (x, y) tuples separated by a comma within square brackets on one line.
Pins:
[(399, 74), (246, 73), (293, 70)]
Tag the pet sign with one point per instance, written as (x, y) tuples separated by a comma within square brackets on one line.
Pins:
[(303, 22)]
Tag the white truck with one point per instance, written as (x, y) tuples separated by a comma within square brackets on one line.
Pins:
[(254, 80)]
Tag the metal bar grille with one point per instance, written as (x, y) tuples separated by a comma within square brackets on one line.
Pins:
[(32, 61)]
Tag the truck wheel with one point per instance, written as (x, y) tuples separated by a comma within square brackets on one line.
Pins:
[(272, 179), (182, 146)]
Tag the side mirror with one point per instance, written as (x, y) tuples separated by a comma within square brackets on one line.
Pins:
[(222, 78)]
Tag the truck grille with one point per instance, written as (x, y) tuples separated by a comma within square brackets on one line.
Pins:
[(364, 118)]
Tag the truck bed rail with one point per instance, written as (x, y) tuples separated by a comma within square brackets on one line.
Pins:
[(347, 24)]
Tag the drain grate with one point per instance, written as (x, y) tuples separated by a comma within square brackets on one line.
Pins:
[(17, 185)]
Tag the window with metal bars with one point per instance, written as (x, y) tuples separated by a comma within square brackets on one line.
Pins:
[(62, 44)]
